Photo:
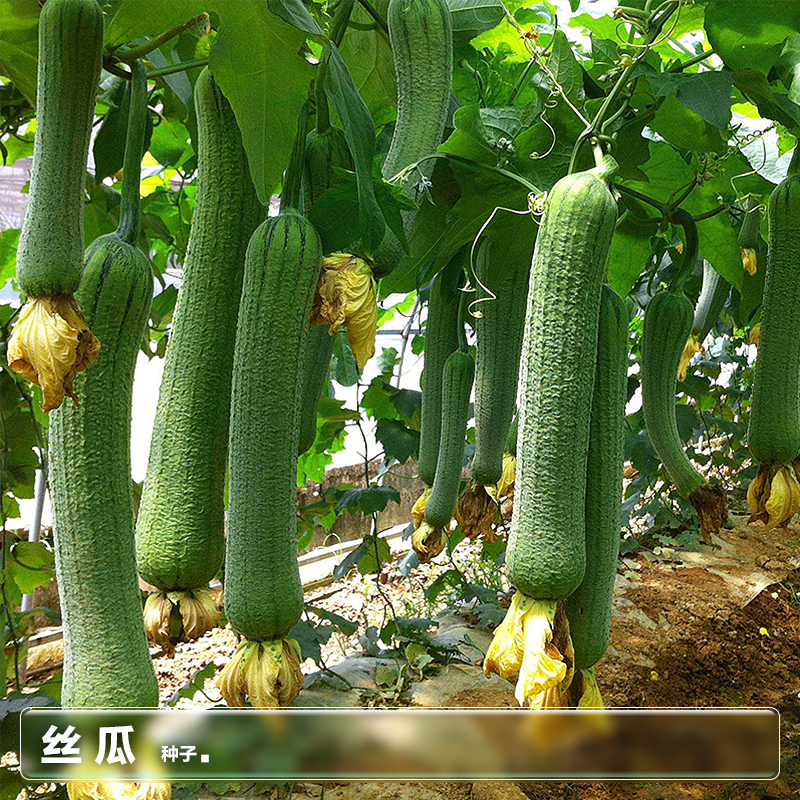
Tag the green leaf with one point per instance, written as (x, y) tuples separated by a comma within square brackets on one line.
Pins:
[(109, 144), (30, 566), (19, 43), (707, 93), (473, 17), (253, 50), (399, 442), (340, 623), (194, 685), (748, 34), (343, 362), (789, 67), (771, 105), (368, 56), (630, 251), (565, 68), (684, 128), (9, 240), (131, 20), (367, 501), (359, 130), (170, 143), (374, 555)]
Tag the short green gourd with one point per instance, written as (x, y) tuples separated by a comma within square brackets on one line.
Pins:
[(668, 321), (714, 293), (50, 254), (421, 34), (499, 320)]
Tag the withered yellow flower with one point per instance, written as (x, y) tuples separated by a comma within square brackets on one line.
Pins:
[(157, 618), (476, 512), (523, 649), (692, 346), (427, 542), (266, 672), (774, 496), (784, 498), (347, 297), (196, 610), (50, 344), (755, 334), (199, 612)]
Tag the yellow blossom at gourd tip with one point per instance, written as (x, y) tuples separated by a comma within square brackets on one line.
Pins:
[(266, 672), (347, 296), (749, 260), (523, 648), (591, 697), (755, 334), (784, 498), (112, 790), (418, 509), (505, 486), (50, 344), (692, 346)]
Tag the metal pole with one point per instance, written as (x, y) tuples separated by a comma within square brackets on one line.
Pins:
[(36, 525)]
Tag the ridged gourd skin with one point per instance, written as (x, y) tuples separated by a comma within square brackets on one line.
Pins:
[(749, 232), (499, 330), (316, 365), (668, 321), (589, 606), (421, 35), (713, 295), (441, 340), (546, 555), (106, 660), (457, 379), (50, 255), (774, 434), (180, 530), (263, 594)]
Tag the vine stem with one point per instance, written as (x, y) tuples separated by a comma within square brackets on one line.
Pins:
[(134, 53), (367, 6), (694, 60), (183, 66), (642, 197)]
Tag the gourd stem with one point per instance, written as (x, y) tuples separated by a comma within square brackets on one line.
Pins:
[(293, 179), (338, 28), (134, 150)]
